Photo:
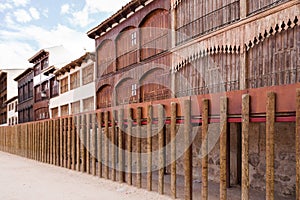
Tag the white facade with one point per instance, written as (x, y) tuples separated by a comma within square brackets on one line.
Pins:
[(79, 94), (12, 113)]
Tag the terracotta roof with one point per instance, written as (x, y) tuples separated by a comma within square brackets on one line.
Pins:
[(28, 70), (75, 63), (115, 18)]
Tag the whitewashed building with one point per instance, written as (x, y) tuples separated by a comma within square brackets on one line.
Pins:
[(76, 87), (12, 111)]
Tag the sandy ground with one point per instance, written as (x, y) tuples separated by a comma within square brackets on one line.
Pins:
[(23, 179)]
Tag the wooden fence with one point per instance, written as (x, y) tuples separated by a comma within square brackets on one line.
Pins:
[(81, 142)]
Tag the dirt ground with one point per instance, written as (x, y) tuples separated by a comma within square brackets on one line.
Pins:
[(24, 179)]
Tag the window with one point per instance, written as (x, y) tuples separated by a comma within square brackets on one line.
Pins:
[(45, 63), (75, 80), (133, 90), (88, 74), (64, 85), (75, 107), (37, 93), (88, 104), (133, 39), (64, 110), (54, 112), (37, 69)]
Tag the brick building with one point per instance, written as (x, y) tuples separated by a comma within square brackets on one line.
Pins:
[(25, 95), (156, 49)]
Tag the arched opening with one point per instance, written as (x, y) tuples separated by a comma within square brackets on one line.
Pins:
[(127, 47), (155, 33), (126, 92), (104, 95), (105, 58)]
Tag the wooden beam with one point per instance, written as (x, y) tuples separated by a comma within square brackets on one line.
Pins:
[(149, 147), (270, 132), (121, 145), (113, 145), (129, 146), (69, 144), (78, 139), (173, 149), (161, 156), (93, 144), (298, 145), (83, 143), (88, 143), (223, 148), (138, 146), (188, 167), (106, 145), (99, 143), (205, 107)]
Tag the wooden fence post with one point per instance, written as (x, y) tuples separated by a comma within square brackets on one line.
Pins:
[(65, 144), (121, 145), (129, 146), (270, 132), (173, 149), (205, 107), (106, 145), (78, 142), (61, 141), (69, 144), (93, 144), (99, 143), (223, 148), (149, 147), (113, 145), (88, 143), (138, 146), (188, 167), (73, 138), (83, 143), (298, 145), (161, 156), (245, 146)]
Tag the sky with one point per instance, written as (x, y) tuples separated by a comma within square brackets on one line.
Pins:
[(27, 26)]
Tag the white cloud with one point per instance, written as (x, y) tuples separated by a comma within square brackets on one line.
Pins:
[(65, 9), (4, 6), (22, 16), (34, 13), (20, 2), (18, 45), (8, 20)]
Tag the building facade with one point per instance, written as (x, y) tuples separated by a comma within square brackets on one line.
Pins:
[(8, 90), (25, 96), (12, 111), (156, 49), (46, 61), (76, 87)]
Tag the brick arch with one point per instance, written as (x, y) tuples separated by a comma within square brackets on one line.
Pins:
[(124, 91), (104, 96)]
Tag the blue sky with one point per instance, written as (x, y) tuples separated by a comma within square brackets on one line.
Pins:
[(30, 25)]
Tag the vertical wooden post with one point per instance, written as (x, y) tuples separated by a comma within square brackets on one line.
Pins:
[(129, 146), (188, 169), (205, 107), (83, 143), (298, 145), (243, 8), (138, 146), (65, 144), (161, 156), (50, 128), (149, 147), (270, 132), (78, 142), (88, 144), (58, 142), (43, 139), (93, 144), (61, 141), (223, 149), (69, 143), (54, 141), (99, 143), (245, 146), (173, 149), (73, 137), (121, 145), (106, 147), (113, 145)]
